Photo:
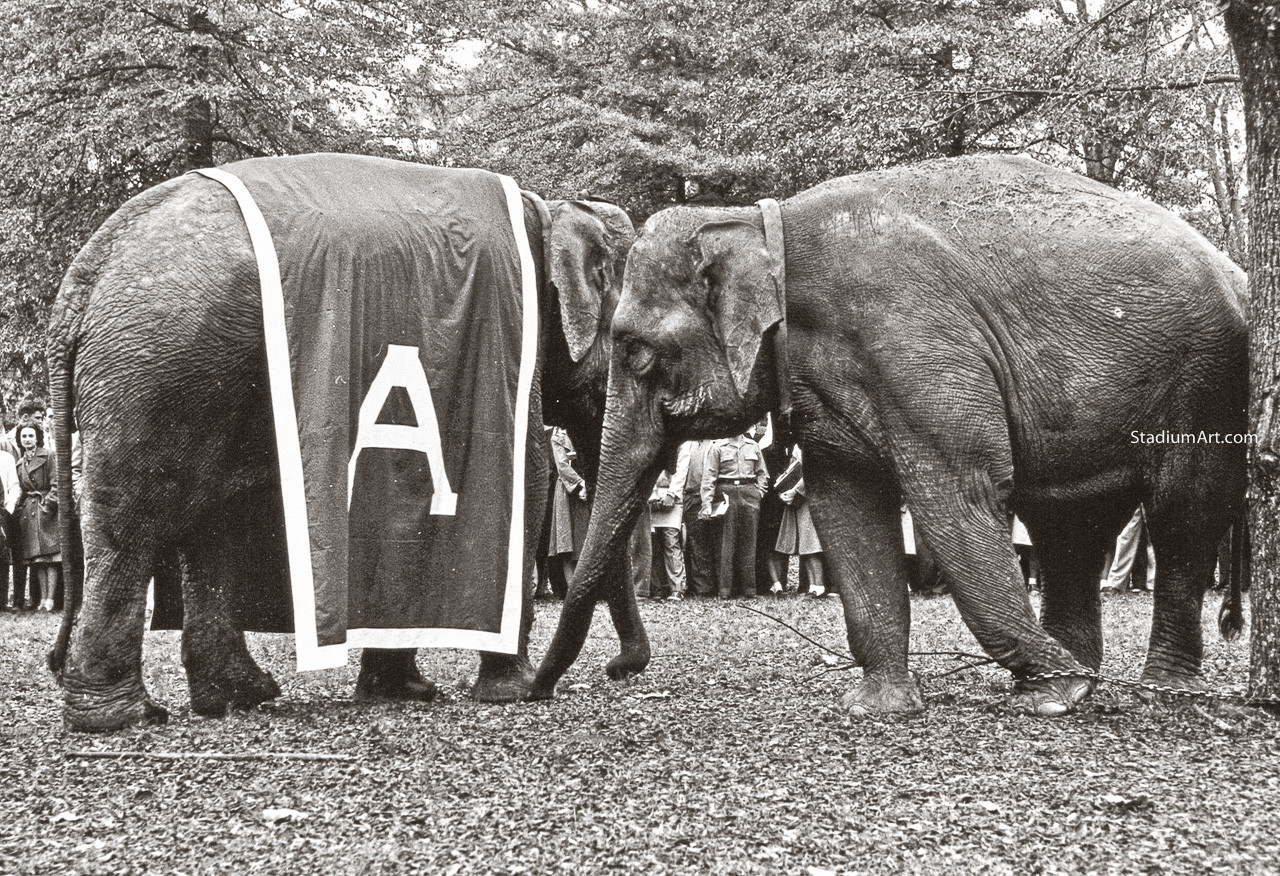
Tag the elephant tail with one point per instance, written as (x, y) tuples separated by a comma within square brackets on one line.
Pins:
[(64, 332), (1231, 614)]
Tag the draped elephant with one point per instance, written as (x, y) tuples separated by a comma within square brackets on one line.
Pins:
[(157, 356)]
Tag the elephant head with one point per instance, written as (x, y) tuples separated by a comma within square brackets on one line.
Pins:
[(691, 358)]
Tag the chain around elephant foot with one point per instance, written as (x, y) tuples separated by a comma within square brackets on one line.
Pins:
[(503, 679), (883, 693), (1052, 695), (123, 705), (392, 675), (1169, 682)]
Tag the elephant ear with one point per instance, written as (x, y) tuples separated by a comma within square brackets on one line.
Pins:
[(736, 273), (589, 243)]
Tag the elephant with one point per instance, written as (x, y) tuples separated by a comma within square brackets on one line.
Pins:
[(980, 337), (179, 458)]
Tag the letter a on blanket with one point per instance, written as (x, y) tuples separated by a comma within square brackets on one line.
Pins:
[(403, 368)]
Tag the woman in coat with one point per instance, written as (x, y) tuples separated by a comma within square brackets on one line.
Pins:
[(571, 512), (796, 535), (37, 512)]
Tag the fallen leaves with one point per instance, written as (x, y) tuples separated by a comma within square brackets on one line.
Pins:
[(728, 755)]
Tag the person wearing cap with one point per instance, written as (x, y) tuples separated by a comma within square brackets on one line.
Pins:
[(734, 480)]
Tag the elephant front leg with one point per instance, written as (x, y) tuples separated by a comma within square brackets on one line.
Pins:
[(507, 678), (970, 537), (392, 674), (102, 677), (221, 674), (857, 519)]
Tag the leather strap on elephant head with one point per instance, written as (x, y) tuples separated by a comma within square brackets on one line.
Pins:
[(771, 212)]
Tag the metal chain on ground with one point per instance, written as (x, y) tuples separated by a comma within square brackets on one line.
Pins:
[(1242, 698)]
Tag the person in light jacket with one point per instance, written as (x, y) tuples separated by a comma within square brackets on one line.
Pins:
[(735, 475), (666, 513)]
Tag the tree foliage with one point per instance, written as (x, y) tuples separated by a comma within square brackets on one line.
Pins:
[(644, 102), (651, 102)]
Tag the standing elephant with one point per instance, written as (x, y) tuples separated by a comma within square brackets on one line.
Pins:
[(981, 337), (157, 351)]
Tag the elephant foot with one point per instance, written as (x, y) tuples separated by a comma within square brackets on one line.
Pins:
[(1170, 683), (240, 688), (392, 676), (632, 661), (503, 679), (542, 688), (102, 711), (1051, 697), (220, 673), (882, 693)]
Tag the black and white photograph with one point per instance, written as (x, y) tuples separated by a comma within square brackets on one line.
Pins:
[(794, 437)]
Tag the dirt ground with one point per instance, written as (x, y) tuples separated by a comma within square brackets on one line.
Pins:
[(728, 756)]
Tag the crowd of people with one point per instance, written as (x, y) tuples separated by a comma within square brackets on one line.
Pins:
[(717, 524), (30, 556), (720, 526)]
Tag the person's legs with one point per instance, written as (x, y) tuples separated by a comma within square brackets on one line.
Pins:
[(673, 559), (641, 553), (744, 549), (46, 573), (700, 551), (778, 573), (33, 587), (1116, 578), (812, 564)]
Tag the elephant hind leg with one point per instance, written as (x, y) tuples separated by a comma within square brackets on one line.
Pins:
[(102, 677), (1072, 545), (1186, 552), (503, 678), (221, 674), (392, 674)]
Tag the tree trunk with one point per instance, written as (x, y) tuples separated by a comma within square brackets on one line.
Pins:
[(1253, 26), (197, 116)]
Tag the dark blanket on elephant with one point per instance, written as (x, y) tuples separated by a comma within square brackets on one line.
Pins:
[(411, 339)]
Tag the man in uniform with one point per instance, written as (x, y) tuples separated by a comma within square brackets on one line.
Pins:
[(734, 469)]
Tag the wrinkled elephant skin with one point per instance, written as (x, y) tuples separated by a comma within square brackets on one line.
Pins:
[(977, 337), (156, 349)]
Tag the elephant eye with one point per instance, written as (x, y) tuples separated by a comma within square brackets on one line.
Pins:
[(641, 358)]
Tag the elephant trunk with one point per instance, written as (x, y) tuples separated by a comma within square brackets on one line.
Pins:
[(631, 459)]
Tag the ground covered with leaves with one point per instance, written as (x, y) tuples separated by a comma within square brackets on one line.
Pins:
[(729, 755)]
